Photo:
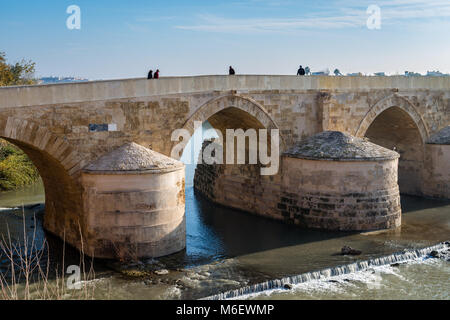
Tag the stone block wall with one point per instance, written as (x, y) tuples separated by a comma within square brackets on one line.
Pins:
[(352, 211), (240, 187), (134, 215), (329, 195), (436, 181)]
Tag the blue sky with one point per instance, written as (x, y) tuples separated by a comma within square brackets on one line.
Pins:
[(120, 39)]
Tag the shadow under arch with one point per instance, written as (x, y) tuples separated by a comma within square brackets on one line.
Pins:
[(220, 111), (58, 165), (218, 104), (395, 124), (393, 100), (245, 176)]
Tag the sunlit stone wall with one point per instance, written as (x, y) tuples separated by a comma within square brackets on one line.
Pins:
[(134, 213), (436, 181), (341, 195), (327, 184)]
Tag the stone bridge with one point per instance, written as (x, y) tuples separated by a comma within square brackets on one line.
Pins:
[(66, 127)]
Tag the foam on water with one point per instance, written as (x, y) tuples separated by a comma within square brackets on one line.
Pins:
[(365, 271)]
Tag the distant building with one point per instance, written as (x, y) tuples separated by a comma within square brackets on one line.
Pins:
[(50, 80), (321, 73), (436, 74), (412, 74), (355, 74), (380, 74)]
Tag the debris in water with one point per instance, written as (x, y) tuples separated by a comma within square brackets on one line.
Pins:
[(435, 254), (161, 272), (287, 286), (346, 250)]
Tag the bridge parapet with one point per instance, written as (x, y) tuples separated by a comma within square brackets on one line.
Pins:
[(20, 96)]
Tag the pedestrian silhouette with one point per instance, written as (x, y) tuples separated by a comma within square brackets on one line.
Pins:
[(231, 71), (150, 74), (156, 76), (301, 71)]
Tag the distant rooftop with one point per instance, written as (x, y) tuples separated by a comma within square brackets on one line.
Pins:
[(50, 80), (339, 146)]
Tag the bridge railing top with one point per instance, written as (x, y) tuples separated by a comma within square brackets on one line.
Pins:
[(18, 96)]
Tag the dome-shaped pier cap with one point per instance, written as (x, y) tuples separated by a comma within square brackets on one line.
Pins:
[(339, 146), (441, 137), (132, 157)]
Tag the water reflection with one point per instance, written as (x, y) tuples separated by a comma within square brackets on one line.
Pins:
[(225, 232)]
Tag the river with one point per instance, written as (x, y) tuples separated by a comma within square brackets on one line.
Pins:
[(229, 249)]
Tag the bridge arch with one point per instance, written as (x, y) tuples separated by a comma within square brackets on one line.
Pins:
[(216, 105), (231, 111), (235, 184), (59, 166), (394, 123), (389, 102)]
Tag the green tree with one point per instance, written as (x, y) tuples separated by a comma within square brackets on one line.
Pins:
[(19, 73), (16, 169)]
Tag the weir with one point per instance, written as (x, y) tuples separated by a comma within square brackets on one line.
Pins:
[(399, 257), (65, 128)]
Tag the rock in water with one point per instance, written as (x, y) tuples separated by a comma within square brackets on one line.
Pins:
[(287, 286), (346, 250), (435, 254)]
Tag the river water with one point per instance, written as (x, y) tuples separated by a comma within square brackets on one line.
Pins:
[(229, 249)]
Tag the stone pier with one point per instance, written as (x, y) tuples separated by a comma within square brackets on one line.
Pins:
[(330, 181)]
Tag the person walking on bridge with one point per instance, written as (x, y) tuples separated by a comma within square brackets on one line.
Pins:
[(231, 71), (150, 74), (301, 71), (156, 76)]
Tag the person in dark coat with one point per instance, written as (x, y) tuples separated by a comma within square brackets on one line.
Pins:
[(231, 71), (301, 71), (156, 76), (150, 74)]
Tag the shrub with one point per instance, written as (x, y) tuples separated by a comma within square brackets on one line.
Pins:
[(16, 169)]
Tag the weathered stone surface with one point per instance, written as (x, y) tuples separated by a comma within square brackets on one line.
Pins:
[(334, 195), (441, 137), (339, 146), (133, 213), (436, 173), (133, 157)]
